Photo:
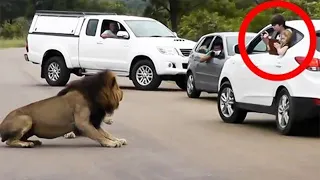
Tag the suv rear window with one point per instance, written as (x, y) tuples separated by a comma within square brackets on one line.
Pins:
[(318, 41)]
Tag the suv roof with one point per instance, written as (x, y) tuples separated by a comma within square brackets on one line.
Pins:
[(229, 33), (301, 25)]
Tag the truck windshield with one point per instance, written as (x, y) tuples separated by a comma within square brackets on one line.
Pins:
[(149, 28)]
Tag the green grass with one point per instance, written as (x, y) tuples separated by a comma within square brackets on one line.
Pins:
[(12, 43)]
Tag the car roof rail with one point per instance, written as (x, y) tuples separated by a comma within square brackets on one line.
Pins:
[(70, 13)]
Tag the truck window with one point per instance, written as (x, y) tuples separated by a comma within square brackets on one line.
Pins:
[(92, 27)]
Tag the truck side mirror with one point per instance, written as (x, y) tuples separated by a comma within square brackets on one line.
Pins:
[(123, 34)]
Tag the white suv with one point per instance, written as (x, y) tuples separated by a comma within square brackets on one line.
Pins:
[(146, 51), (295, 102)]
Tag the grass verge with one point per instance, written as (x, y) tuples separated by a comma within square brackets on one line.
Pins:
[(12, 43)]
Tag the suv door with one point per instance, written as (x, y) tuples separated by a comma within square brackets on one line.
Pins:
[(201, 50), (258, 54)]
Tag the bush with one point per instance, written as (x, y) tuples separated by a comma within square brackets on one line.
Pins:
[(17, 29)]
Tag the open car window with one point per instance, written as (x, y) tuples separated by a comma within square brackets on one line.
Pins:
[(205, 45), (258, 46)]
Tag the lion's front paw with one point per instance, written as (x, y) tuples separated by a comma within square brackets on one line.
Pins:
[(70, 135), (113, 144), (123, 141)]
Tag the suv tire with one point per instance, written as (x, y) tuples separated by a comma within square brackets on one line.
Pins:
[(148, 78), (287, 117), (227, 102), (56, 72)]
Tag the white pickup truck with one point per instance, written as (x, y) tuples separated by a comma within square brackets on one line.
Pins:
[(144, 49)]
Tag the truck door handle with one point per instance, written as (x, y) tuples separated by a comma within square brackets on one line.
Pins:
[(99, 42)]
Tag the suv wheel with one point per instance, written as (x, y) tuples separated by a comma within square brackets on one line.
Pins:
[(144, 76), (56, 72), (192, 92), (286, 117), (227, 106)]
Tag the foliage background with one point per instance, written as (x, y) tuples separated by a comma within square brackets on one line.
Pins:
[(189, 18)]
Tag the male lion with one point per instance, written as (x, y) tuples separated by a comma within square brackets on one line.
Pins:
[(71, 135), (80, 106)]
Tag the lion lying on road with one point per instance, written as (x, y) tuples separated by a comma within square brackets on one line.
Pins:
[(81, 106)]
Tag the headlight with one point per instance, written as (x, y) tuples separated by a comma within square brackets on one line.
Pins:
[(167, 50)]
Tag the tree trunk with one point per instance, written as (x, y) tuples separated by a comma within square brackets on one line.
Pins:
[(174, 10)]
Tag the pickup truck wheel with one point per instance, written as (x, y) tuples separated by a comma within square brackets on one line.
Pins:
[(144, 76), (56, 72)]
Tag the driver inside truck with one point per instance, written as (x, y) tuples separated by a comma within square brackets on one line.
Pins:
[(111, 31)]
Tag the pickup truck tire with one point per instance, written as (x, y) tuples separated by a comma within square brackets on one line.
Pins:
[(144, 76), (56, 72)]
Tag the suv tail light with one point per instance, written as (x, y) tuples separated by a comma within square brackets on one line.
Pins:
[(314, 64), (27, 47)]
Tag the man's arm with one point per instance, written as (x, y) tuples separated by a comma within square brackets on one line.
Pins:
[(207, 57), (108, 34)]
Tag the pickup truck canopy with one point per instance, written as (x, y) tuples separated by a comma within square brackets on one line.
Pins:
[(60, 22)]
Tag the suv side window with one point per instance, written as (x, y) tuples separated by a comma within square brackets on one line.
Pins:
[(92, 27), (205, 45), (260, 46), (297, 36), (318, 41)]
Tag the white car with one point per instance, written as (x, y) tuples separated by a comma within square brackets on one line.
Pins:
[(146, 51), (295, 102)]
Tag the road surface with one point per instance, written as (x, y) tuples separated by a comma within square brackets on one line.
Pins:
[(170, 137)]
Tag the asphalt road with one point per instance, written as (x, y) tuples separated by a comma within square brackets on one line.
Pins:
[(170, 137)]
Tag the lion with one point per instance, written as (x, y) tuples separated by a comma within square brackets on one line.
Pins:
[(73, 134), (81, 106)]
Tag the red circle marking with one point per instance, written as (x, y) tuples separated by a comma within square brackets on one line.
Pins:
[(244, 27)]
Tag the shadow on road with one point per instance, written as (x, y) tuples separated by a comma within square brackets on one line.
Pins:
[(307, 130), (209, 98), (122, 87), (159, 89), (266, 125)]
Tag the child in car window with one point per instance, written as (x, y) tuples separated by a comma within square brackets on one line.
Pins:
[(283, 46)]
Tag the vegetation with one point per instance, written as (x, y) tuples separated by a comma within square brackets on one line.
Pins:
[(189, 18)]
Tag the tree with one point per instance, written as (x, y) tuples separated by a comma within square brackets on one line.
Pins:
[(174, 8)]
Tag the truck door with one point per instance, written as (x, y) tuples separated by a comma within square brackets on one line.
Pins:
[(114, 51), (89, 53)]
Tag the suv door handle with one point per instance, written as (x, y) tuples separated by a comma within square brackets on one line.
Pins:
[(99, 42), (278, 65)]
